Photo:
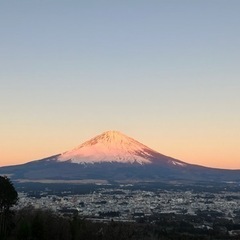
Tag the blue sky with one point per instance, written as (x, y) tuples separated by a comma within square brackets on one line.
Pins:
[(164, 72)]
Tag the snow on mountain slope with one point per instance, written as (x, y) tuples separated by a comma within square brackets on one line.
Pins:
[(111, 146)]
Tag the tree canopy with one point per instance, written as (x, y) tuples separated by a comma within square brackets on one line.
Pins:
[(8, 194)]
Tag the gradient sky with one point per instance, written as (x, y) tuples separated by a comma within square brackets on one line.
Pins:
[(165, 72)]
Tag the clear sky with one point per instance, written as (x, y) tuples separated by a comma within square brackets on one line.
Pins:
[(165, 72)]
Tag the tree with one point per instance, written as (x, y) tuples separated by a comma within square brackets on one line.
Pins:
[(8, 197)]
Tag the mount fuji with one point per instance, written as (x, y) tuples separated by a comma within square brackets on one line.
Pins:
[(114, 156), (113, 146)]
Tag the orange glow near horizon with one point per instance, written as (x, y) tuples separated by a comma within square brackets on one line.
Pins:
[(217, 161), (205, 154)]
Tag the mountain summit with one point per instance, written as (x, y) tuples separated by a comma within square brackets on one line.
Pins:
[(114, 146), (110, 146)]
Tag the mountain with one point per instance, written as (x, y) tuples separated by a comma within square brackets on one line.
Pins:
[(113, 146), (114, 156)]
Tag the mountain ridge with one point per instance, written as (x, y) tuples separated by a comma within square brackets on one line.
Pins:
[(114, 156)]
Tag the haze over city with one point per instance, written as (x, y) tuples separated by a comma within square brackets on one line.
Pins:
[(164, 72)]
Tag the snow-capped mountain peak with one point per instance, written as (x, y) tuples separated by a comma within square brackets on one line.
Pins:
[(110, 146)]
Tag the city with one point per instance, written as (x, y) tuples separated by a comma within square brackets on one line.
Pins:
[(203, 210)]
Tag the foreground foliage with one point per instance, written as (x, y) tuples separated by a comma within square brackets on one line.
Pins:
[(31, 224), (8, 197)]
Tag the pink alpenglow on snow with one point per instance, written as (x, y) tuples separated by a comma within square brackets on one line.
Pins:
[(110, 146)]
